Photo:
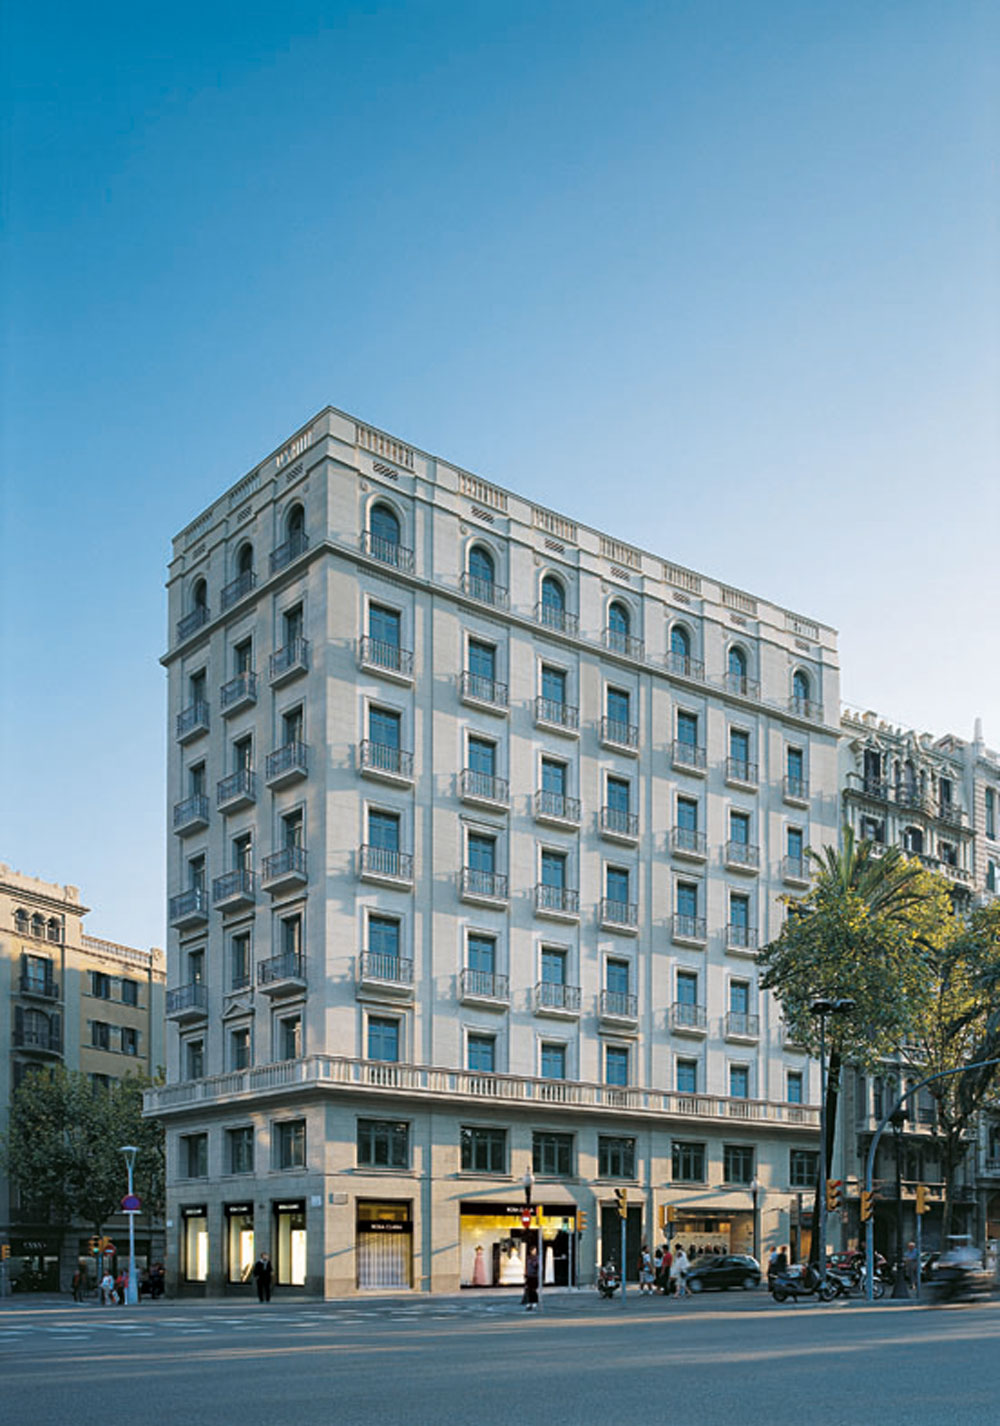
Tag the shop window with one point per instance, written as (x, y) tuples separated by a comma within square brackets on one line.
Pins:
[(552, 1155), (240, 1246), (803, 1167), (688, 1162), (737, 1163), (615, 1157), (239, 1143), (290, 1144), (290, 1244), (383, 1144), (195, 1244), (483, 1150), (384, 1245)]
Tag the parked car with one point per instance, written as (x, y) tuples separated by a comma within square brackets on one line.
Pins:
[(727, 1270)]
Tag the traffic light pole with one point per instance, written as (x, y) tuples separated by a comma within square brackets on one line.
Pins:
[(624, 1222)]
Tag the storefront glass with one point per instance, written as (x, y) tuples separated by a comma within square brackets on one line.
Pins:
[(239, 1245), (385, 1245), (195, 1243), (494, 1246), (290, 1243)]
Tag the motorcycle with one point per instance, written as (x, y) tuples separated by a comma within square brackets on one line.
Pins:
[(959, 1277), (846, 1280), (608, 1280), (801, 1280)]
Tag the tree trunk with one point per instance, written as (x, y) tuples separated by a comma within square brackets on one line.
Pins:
[(832, 1100)]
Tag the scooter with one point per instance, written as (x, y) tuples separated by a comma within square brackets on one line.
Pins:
[(608, 1280), (801, 1280), (848, 1280)]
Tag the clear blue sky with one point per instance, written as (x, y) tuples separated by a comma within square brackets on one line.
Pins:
[(719, 278)]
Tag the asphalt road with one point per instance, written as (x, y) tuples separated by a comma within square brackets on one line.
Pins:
[(430, 1362)]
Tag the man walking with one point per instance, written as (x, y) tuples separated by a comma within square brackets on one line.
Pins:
[(263, 1273)]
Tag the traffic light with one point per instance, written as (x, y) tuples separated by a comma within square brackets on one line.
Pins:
[(866, 1205), (833, 1191), (581, 1221), (621, 1198), (4, 1251), (95, 1244), (922, 1204)]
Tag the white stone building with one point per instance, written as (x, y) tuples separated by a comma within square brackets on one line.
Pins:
[(478, 816)]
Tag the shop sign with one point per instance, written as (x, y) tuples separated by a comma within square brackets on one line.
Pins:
[(383, 1226), (195, 1210), (297, 1205), (245, 1210)]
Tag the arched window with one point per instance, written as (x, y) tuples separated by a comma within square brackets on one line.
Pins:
[(481, 566), (737, 663), (21, 921), (38, 925), (680, 642), (244, 560), (801, 688), (384, 525), (54, 928), (552, 610), (35, 1029), (295, 523), (553, 594), (199, 595)]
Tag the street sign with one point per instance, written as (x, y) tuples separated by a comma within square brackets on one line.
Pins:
[(130, 1203), (526, 1218)]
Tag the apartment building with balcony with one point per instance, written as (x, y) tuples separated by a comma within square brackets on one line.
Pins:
[(72, 999), (478, 817)]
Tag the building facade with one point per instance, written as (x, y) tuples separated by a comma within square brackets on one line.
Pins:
[(77, 1000), (477, 819)]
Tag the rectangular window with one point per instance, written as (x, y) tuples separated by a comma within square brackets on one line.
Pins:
[(130, 992), (553, 1061), (991, 814), (384, 625), (195, 1057), (383, 1144), (615, 1157), (553, 965), (484, 1150), (795, 767), (384, 728), (687, 729), (619, 705), (737, 1163), (240, 1144), (739, 745), (100, 1035), (553, 685), (687, 987), (293, 726), (552, 1155), (619, 794), (794, 844), (739, 1082), (196, 780), (482, 1053), (383, 938), (616, 884), (194, 1155), (243, 755), (482, 953), (242, 848), (482, 660), (383, 830), (482, 853), (293, 829), (290, 1144), (739, 912), (687, 814), (239, 960), (553, 866), (130, 1040), (688, 1162), (554, 777), (483, 756), (739, 997), (794, 1087), (292, 624), (383, 1038), (290, 1037), (100, 985), (687, 899), (739, 828), (243, 656), (616, 1065), (291, 935), (803, 1168), (616, 977), (687, 1076)]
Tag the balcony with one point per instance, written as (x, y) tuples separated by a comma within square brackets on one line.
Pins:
[(559, 717), (191, 623), (806, 708), (741, 686), (795, 870), (385, 865), (796, 791), (790, 1041), (618, 1008), (484, 591), (486, 888), (285, 870), (284, 554), (683, 667), (387, 551), (38, 1039), (282, 975), (557, 808), (621, 916), (239, 693), (623, 737), (382, 657), (741, 938), (689, 843), (558, 903), (689, 930), (234, 890), (561, 1002), (385, 973), (483, 987), (39, 987), (191, 814), (189, 909), (742, 857), (951, 813), (741, 773), (482, 789), (618, 824), (187, 1003), (688, 757), (289, 662), (687, 1019), (287, 764), (385, 762), (192, 721), (618, 643), (558, 620), (741, 1026), (238, 588), (483, 692), (237, 790)]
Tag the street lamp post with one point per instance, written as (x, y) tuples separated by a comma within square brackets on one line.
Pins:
[(529, 1183), (755, 1191), (132, 1291), (897, 1120), (821, 1008)]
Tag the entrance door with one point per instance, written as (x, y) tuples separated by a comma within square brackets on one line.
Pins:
[(611, 1238)]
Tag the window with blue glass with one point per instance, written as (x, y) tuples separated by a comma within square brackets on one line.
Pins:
[(687, 987), (739, 745), (793, 1087), (619, 795), (482, 1053), (801, 687), (739, 997), (554, 777), (687, 729), (383, 1038), (553, 965), (553, 684), (616, 882), (619, 705), (553, 1061), (481, 565), (739, 828), (482, 954), (739, 1082), (794, 843), (482, 852), (482, 659), (687, 898), (483, 756), (553, 869), (383, 830), (687, 814), (616, 1065), (553, 595), (384, 625), (794, 766), (384, 727), (737, 663), (616, 977), (687, 1076), (739, 911), (680, 642), (384, 524)]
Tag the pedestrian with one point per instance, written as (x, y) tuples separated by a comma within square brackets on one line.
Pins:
[(645, 1270), (665, 1265), (530, 1295), (263, 1274), (107, 1289), (78, 1286), (156, 1280), (910, 1263), (678, 1270), (772, 1264)]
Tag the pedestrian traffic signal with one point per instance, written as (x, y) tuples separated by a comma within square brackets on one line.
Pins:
[(833, 1191), (866, 1205), (621, 1198), (922, 1204), (581, 1221)]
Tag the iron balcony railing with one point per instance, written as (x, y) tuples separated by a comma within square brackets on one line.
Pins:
[(483, 883), (187, 997), (189, 905), (794, 869), (295, 655), (483, 689), (242, 783), (383, 757), (386, 861), (192, 809), (550, 616), (287, 861), (619, 822), (234, 591), (742, 854), (485, 590), (197, 619), (796, 789), (193, 718), (688, 754), (231, 884), (564, 900), (378, 653), (289, 550), (806, 708), (557, 806), (290, 756), (484, 985), (690, 840), (741, 938), (561, 715), (740, 770), (289, 965), (742, 1025), (388, 551), (619, 913), (620, 643), (240, 689), (619, 1005), (484, 787), (685, 667), (685, 1016), (739, 683), (621, 734), (38, 1037), (383, 965), (689, 928), (553, 995), (43, 986)]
